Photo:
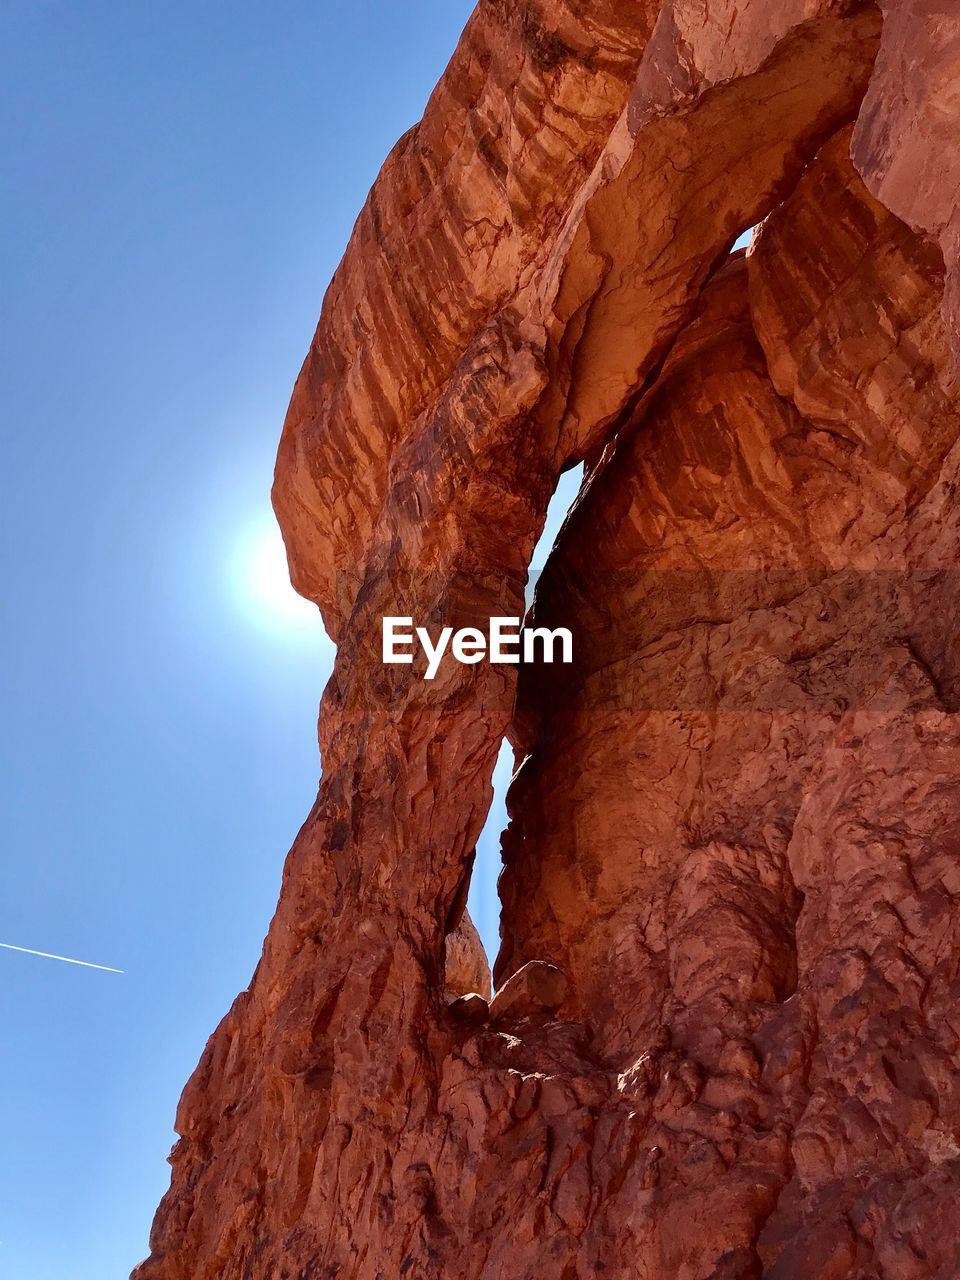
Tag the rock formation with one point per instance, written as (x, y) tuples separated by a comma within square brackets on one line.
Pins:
[(723, 1044)]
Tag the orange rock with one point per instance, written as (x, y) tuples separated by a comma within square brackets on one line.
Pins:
[(907, 140), (761, 580), (466, 967), (470, 1007), (536, 988)]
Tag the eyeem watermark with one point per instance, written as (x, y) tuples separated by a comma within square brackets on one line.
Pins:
[(504, 643)]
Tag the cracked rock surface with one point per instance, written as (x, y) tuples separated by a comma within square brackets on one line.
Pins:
[(723, 1043)]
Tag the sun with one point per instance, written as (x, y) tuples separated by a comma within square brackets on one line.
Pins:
[(270, 578), (264, 581)]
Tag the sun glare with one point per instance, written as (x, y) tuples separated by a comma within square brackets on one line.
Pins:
[(265, 582)]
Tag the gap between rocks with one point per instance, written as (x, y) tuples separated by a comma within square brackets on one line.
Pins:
[(483, 901)]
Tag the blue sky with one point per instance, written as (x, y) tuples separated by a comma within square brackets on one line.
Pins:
[(179, 182)]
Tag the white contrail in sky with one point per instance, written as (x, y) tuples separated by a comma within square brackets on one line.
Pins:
[(29, 951)]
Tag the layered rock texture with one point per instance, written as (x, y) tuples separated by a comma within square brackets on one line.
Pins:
[(724, 1042)]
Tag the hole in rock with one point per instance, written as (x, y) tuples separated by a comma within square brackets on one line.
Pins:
[(743, 239), (483, 902), (568, 486)]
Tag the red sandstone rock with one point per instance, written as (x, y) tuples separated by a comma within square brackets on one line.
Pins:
[(460, 215), (535, 989), (471, 1007), (907, 141), (466, 967), (749, 586), (736, 818)]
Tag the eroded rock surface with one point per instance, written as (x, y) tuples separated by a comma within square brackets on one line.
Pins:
[(762, 579), (907, 143), (723, 1045)]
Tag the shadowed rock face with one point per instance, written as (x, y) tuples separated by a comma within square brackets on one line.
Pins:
[(723, 1044)]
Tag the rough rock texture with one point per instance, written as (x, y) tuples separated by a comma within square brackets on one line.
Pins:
[(724, 1044), (761, 579), (458, 219), (907, 143), (466, 967)]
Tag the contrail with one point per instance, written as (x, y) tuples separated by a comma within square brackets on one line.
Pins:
[(29, 951)]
